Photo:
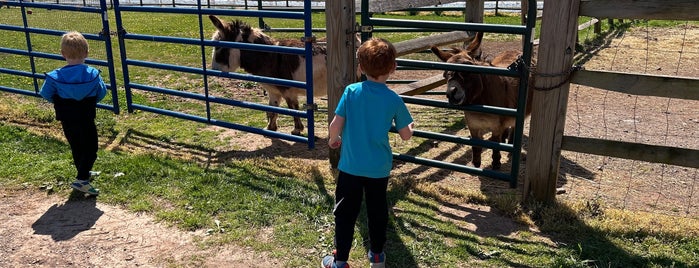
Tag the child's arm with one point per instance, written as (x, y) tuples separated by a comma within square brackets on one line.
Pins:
[(47, 90), (101, 90), (407, 132), (336, 126)]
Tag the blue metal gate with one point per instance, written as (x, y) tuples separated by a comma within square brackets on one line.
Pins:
[(368, 24), (20, 19), (202, 72)]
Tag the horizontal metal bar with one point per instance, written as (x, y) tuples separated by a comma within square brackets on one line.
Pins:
[(463, 140), (375, 30), (19, 91), (473, 108), (80, 8), (34, 94), (452, 166), (107, 107), (15, 28), (213, 43), (260, 79), (243, 104), (273, 134), (200, 119), (256, 47), (21, 73), (211, 11), (443, 25), (48, 56), (432, 65), (247, 77), (254, 13)]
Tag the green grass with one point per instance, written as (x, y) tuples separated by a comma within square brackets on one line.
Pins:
[(289, 205), (281, 204)]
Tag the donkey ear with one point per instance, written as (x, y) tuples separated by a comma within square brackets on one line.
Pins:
[(474, 48), (218, 23), (442, 55)]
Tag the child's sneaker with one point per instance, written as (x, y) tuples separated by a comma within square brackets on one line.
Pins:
[(377, 260), (329, 262), (85, 187)]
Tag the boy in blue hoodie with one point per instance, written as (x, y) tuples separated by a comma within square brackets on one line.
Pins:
[(75, 90)]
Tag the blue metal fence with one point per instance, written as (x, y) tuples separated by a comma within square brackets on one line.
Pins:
[(32, 55), (203, 43), (519, 113)]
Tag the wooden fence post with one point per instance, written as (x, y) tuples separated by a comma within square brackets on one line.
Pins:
[(474, 14), (559, 30), (340, 21)]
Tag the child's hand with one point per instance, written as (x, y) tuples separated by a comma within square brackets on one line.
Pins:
[(335, 143)]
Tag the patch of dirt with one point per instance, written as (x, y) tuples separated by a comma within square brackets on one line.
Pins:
[(40, 230)]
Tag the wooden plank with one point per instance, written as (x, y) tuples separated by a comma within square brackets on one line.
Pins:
[(422, 86), (341, 65), (636, 151), (640, 84), (423, 43), (587, 24), (641, 9), (558, 35), (393, 5)]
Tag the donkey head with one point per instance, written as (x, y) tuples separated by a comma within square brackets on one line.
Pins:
[(463, 87), (229, 59)]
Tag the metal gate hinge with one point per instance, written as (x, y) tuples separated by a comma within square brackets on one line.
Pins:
[(364, 29), (310, 106), (308, 39)]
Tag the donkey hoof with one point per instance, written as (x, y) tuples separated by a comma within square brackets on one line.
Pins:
[(496, 166), (477, 164), (296, 133)]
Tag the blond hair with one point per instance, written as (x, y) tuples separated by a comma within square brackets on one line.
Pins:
[(74, 45), (377, 57)]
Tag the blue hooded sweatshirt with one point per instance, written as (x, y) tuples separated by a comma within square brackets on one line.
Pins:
[(74, 90)]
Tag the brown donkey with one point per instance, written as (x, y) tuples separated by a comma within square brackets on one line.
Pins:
[(466, 88), (270, 64)]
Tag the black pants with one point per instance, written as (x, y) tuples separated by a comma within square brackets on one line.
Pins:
[(348, 201), (82, 137)]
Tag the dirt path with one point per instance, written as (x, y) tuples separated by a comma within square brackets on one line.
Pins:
[(42, 230)]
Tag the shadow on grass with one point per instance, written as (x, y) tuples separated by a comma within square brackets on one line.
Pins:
[(486, 234), (134, 140)]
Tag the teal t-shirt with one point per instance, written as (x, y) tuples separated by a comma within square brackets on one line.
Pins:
[(369, 110)]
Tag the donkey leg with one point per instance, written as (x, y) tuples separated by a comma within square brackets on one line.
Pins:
[(274, 98), (476, 150), (508, 135), (497, 137), (293, 102)]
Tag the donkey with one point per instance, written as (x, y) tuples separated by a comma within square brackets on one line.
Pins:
[(269, 64), (466, 88)]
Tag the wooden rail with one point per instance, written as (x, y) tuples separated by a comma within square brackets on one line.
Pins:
[(635, 151), (640, 84)]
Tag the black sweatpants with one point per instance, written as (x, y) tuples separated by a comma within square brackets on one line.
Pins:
[(82, 137), (348, 201)]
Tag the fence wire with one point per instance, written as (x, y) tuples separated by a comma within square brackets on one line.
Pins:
[(595, 113)]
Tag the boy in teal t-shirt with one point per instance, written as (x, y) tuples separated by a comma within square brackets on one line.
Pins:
[(365, 114)]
